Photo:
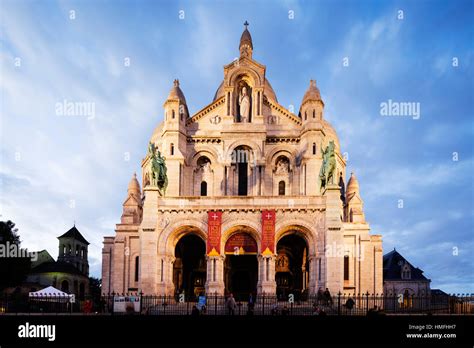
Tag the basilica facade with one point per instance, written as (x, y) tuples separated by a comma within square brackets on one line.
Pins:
[(243, 204)]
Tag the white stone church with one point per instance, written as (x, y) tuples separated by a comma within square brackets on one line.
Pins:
[(244, 210)]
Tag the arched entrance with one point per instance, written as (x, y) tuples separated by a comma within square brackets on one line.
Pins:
[(292, 267), (241, 266), (189, 268)]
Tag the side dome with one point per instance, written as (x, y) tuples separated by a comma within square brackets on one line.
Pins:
[(155, 136)]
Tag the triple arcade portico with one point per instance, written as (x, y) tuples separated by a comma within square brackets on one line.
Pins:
[(244, 196)]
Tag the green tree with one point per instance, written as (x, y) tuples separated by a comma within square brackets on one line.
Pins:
[(13, 270)]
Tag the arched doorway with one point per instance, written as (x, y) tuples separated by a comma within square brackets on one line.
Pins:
[(292, 267), (189, 268), (241, 266)]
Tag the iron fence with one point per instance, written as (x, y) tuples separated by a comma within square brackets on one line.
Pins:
[(262, 304)]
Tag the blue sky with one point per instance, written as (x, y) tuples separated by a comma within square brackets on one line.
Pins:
[(59, 169)]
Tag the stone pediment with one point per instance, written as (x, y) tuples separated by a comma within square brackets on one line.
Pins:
[(282, 114), (207, 112), (245, 62)]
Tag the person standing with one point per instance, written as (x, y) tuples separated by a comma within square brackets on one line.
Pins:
[(231, 305)]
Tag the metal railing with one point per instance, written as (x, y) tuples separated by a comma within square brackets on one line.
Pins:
[(262, 304)]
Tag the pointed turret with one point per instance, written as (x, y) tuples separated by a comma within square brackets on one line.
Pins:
[(176, 108), (352, 187), (246, 45), (132, 207), (354, 209), (134, 187), (312, 105)]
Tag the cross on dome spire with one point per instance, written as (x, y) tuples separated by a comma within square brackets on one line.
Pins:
[(246, 45)]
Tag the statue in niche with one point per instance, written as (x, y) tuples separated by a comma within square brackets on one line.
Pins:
[(206, 167), (282, 166), (244, 102), (203, 165)]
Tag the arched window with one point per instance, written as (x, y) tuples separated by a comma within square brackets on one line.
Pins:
[(346, 267), (172, 149), (305, 115), (314, 148), (314, 114), (281, 188), (69, 249), (64, 249), (137, 267), (77, 250), (406, 272), (82, 253), (203, 188), (65, 286), (172, 114)]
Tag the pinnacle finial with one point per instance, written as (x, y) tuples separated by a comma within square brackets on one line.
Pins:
[(246, 25), (176, 82)]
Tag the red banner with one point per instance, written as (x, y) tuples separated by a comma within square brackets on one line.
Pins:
[(214, 220), (268, 232), (241, 244)]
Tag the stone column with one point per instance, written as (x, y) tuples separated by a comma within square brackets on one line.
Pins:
[(215, 275), (334, 240), (119, 264), (107, 263), (165, 284), (313, 284), (225, 175), (148, 243), (266, 274)]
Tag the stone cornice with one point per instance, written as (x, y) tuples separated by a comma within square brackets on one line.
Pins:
[(214, 140), (241, 204), (273, 140)]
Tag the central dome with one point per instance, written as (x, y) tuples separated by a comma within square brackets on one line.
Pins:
[(268, 92)]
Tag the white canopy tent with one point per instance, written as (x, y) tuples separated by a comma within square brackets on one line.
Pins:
[(50, 293)]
